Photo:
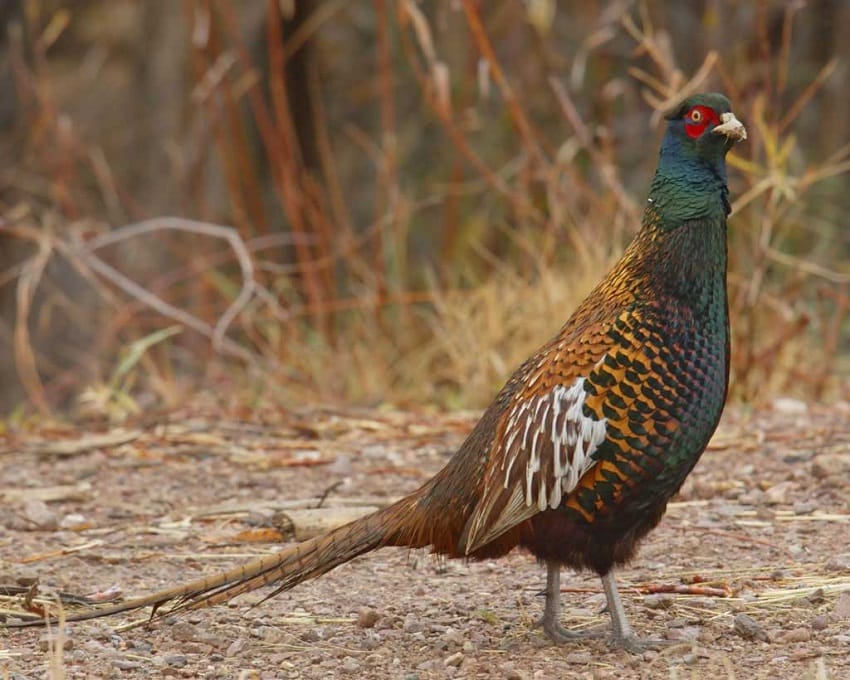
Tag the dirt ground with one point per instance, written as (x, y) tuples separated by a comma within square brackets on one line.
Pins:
[(749, 572)]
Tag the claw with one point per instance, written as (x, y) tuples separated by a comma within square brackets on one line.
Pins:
[(637, 645)]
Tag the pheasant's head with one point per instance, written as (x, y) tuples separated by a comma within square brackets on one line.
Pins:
[(705, 126), (690, 182)]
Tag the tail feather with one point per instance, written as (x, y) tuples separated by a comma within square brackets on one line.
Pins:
[(284, 569)]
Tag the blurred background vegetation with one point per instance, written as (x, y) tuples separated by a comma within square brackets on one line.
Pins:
[(391, 202)]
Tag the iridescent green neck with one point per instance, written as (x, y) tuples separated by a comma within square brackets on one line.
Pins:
[(686, 186)]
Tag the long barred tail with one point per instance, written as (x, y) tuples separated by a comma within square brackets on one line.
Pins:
[(284, 569)]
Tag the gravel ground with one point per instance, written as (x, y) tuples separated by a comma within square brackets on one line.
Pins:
[(749, 573)]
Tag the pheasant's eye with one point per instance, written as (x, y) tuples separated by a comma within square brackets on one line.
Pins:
[(695, 116)]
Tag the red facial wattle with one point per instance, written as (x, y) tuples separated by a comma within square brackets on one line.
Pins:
[(698, 119)]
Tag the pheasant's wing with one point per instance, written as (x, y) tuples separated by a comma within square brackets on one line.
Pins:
[(548, 437)]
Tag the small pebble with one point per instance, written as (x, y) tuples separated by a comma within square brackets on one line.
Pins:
[(813, 598), (749, 628), (826, 465), (778, 493), (310, 635), (25, 577), (683, 634), (74, 522), (796, 635), (184, 631), (838, 562), (237, 646), (789, 405), (509, 672), (140, 646), (820, 622), (350, 665), (367, 617), (452, 636), (658, 601), (51, 640), (176, 660), (455, 659), (411, 625), (39, 516), (841, 610)]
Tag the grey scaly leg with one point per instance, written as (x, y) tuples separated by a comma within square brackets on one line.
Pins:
[(620, 628), (551, 620), (622, 634)]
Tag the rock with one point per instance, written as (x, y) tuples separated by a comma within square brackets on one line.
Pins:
[(748, 628), (838, 562), (452, 636), (140, 646), (683, 634), (367, 617), (39, 517), (795, 635), (411, 624), (350, 665), (52, 640), (820, 622), (509, 672), (841, 610), (74, 522), (184, 631), (828, 464), (789, 406), (754, 496), (235, 647), (813, 599), (658, 601), (778, 493), (310, 635), (176, 660), (455, 659), (24, 577)]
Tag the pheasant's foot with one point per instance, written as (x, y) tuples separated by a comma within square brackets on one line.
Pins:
[(551, 621), (560, 635)]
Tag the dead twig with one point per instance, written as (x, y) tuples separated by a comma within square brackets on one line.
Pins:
[(85, 252)]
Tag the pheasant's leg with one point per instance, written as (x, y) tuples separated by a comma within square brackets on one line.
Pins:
[(622, 634), (552, 611)]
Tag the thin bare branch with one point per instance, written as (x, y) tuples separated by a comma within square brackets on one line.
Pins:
[(216, 333)]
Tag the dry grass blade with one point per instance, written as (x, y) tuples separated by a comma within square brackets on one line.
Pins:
[(28, 282), (519, 117)]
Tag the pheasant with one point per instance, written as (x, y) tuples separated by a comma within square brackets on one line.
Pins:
[(579, 453)]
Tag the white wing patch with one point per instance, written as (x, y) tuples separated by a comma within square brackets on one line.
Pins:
[(552, 424), (547, 447)]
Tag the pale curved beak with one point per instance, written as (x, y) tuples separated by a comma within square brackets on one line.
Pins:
[(731, 127)]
